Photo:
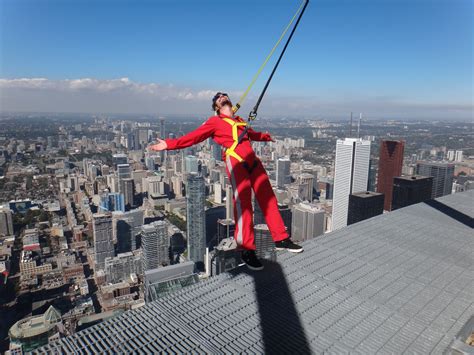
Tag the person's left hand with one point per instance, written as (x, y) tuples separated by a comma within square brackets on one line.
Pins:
[(271, 138), (160, 146)]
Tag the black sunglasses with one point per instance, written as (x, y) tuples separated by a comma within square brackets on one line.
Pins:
[(219, 94)]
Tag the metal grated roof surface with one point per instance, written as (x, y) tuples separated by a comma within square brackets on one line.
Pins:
[(401, 282)]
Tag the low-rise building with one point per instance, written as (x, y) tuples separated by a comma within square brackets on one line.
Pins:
[(33, 332)]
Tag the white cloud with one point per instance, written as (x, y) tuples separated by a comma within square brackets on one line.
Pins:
[(106, 85), (123, 95)]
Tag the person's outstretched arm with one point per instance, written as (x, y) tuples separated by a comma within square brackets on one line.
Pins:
[(203, 132)]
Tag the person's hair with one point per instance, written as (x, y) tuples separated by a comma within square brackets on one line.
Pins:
[(214, 100)]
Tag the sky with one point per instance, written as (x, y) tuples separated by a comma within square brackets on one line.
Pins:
[(385, 58)]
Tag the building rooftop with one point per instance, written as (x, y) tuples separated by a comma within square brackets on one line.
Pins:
[(366, 194), (399, 282), (36, 325), (413, 177)]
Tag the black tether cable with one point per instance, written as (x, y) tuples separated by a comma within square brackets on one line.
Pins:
[(253, 113)]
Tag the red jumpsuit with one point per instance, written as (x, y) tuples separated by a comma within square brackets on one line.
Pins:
[(244, 177)]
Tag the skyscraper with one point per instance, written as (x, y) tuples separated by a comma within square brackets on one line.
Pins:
[(124, 171), (225, 229), (283, 172), (229, 206), (191, 164), (264, 242), (217, 192), (390, 166), (110, 202), (103, 239), (364, 205), (127, 187), (351, 175), (196, 218), (450, 155), (371, 183), (216, 151), (155, 245), (6, 222), (458, 156), (442, 174), (119, 159), (307, 222), (286, 215), (284, 210), (162, 128), (408, 190), (306, 186), (127, 228)]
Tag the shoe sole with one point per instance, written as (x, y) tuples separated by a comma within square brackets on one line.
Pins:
[(290, 250), (255, 268)]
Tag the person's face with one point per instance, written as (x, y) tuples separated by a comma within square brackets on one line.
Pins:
[(222, 101)]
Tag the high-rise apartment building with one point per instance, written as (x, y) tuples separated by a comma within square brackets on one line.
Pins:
[(6, 222), (155, 245), (119, 159), (264, 242), (196, 218), (371, 183), (103, 239), (442, 174), (162, 129), (306, 186), (124, 171), (225, 257), (283, 176), (308, 222), (458, 157), (127, 227), (141, 138), (364, 205), (408, 190), (351, 175), (127, 188), (286, 215), (191, 164), (122, 266), (217, 192), (216, 151), (110, 202), (229, 206), (225, 229), (451, 154), (390, 166)]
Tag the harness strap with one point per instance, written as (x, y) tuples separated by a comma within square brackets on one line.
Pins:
[(235, 136)]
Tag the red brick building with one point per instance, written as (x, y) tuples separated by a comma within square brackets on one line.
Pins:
[(390, 166)]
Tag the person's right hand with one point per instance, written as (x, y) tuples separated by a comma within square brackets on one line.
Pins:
[(161, 145)]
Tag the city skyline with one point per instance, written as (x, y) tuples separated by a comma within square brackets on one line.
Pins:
[(69, 237), (403, 60)]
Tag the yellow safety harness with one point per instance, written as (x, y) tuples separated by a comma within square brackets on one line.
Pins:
[(235, 135)]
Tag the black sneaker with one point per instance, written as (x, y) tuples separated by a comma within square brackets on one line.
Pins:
[(250, 258), (287, 244)]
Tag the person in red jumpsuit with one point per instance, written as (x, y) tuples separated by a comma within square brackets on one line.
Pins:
[(245, 171)]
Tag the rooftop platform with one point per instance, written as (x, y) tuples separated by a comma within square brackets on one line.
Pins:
[(401, 282)]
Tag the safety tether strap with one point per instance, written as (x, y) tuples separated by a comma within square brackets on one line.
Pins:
[(244, 95)]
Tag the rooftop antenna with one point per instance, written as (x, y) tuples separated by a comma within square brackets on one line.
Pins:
[(350, 127), (358, 125)]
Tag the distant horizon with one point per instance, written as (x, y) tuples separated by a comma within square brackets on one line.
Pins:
[(199, 117)]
